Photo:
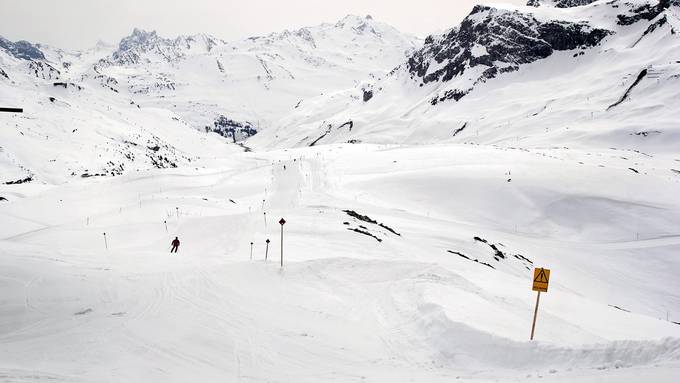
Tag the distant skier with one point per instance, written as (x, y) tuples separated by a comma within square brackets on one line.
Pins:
[(175, 245)]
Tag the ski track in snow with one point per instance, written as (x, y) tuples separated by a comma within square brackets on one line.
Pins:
[(345, 307)]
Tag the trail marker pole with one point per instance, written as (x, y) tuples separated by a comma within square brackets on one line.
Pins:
[(177, 210), (166, 226), (533, 324), (540, 284), (282, 222), (265, 221), (251, 251), (106, 244), (266, 250)]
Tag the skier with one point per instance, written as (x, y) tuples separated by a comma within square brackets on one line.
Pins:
[(175, 245)]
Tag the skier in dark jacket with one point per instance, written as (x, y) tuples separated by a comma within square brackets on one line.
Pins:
[(175, 245)]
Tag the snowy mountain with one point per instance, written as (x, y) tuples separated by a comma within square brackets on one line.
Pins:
[(421, 183), (141, 90), (255, 81), (508, 74), (559, 3)]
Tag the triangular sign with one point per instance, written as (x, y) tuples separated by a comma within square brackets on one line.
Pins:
[(541, 277)]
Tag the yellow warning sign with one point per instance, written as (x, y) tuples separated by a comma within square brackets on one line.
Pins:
[(541, 279)]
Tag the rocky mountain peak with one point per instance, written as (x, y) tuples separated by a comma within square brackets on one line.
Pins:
[(138, 39), (21, 49), (141, 45), (491, 41), (559, 3), (358, 24)]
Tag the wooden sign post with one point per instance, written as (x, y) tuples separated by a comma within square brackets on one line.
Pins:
[(541, 280)]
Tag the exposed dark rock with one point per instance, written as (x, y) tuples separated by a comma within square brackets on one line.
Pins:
[(65, 85), (470, 259), (21, 49), (43, 70), (368, 94), (21, 181), (88, 175), (560, 3), (460, 129), (455, 94), (647, 133), (86, 311), (360, 217), (365, 233), (523, 258), (651, 28), (644, 12), (388, 229), (349, 124), (499, 254), (367, 219), (497, 40), (623, 98), (619, 308), (229, 128), (328, 130)]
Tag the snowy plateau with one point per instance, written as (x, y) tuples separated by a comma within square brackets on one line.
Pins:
[(421, 181)]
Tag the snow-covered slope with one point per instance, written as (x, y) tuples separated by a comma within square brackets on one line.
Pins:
[(141, 103), (400, 264), (587, 75), (557, 148)]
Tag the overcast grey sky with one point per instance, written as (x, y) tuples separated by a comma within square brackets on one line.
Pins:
[(78, 24)]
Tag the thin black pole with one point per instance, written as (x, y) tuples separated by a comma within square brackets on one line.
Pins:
[(266, 251)]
